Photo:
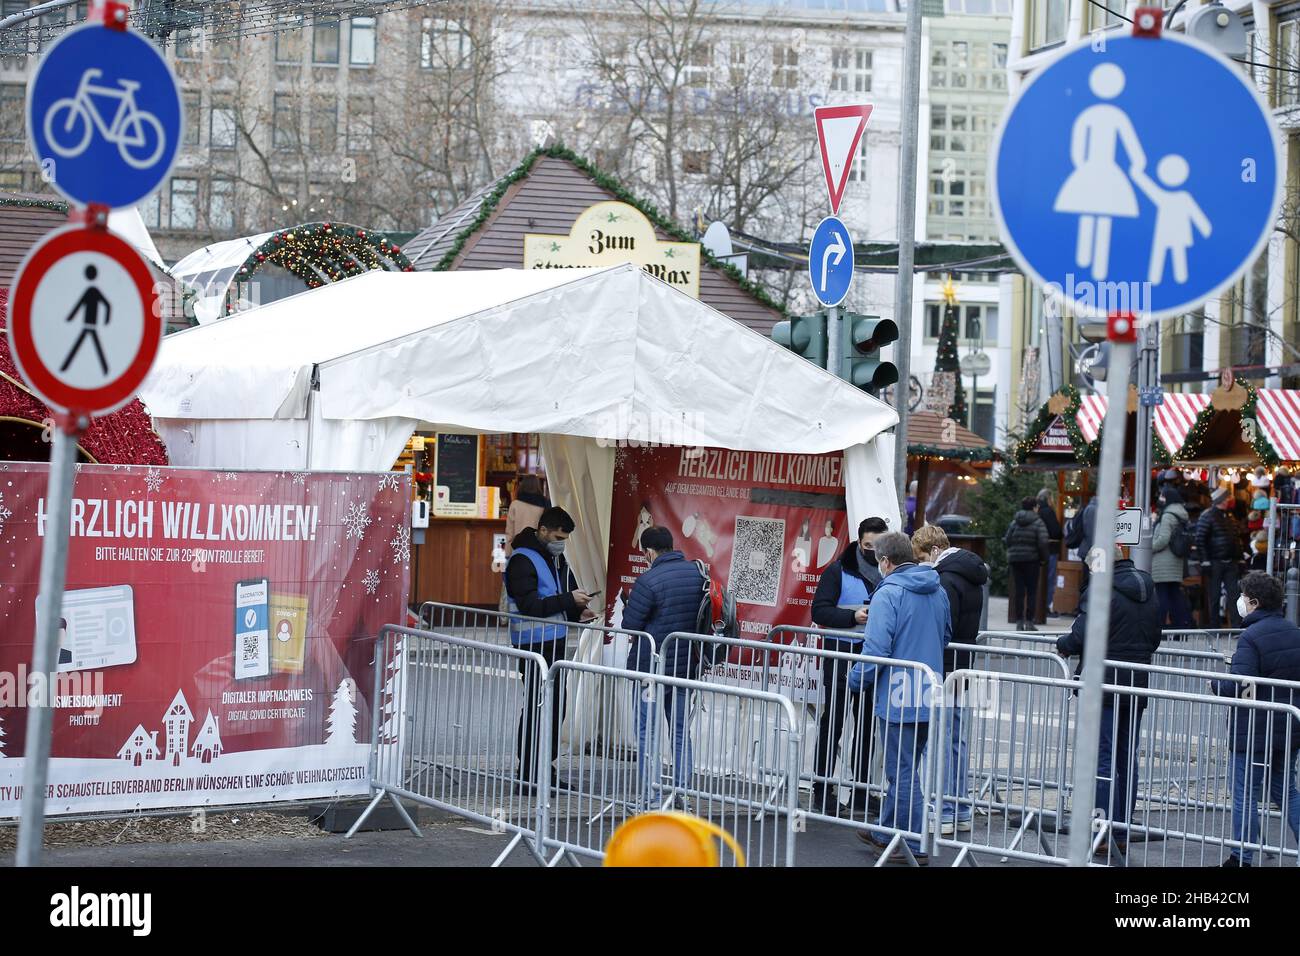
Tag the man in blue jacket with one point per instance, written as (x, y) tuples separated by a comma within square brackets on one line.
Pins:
[(909, 621), (665, 598), (1264, 743)]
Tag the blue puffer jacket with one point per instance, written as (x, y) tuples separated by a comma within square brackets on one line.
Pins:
[(910, 621), (1268, 647), (666, 598)]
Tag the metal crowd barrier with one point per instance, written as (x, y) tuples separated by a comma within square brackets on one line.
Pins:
[(453, 730), (792, 664), (727, 754), (1181, 750), (1283, 546), (493, 627), (1173, 655)]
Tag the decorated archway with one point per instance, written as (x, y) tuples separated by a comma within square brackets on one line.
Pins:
[(242, 273)]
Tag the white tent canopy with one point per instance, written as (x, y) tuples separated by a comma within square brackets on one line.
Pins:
[(585, 357)]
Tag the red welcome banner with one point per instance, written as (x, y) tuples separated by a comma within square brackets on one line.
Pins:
[(766, 524), (216, 634)]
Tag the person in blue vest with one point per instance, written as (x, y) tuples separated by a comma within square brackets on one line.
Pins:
[(665, 598), (1265, 743), (840, 604), (539, 584)]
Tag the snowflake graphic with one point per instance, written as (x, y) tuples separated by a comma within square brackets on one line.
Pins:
[(231, 476), (300, 478), (4, 512), (388, 481), (371, 581), (633, 482), (401, 545), (620, 458), (153, 479), (356, 521)]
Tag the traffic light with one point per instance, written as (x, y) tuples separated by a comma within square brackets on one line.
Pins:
[(804, 335), (867, 334)]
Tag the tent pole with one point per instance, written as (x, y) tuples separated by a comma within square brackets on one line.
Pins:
[(311, 412)]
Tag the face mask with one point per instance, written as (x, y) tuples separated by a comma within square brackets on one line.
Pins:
[(555, 547), (1242, 607), (869, 555)]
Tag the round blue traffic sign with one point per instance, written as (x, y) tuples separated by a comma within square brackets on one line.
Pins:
[(830, 261), (104, 116), (1139, 176)]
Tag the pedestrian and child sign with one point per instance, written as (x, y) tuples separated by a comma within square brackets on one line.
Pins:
[(1136, 175)]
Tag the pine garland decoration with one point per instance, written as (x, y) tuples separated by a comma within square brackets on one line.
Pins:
[(1260, 444), (619, 192), (940, 453)]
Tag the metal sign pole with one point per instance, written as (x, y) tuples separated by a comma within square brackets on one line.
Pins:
[(1100, 585), (49, 605), (834, 345), (1148, 379)]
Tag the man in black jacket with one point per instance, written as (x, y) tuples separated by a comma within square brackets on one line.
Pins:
[(1218, 542), (539, 584), (962, 575), (1265, 743), (839, 604), (1134, 636)]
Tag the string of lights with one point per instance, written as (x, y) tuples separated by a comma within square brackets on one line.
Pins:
[(202, 22)]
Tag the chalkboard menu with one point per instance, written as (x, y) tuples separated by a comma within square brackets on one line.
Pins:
[(456, 474)]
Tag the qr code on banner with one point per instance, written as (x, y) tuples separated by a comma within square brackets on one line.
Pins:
[(252, 647), (756, 557)]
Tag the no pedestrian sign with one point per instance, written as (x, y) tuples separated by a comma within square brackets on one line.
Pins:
[(84, 323)]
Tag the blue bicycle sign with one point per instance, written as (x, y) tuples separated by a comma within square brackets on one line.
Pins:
[(71, 122), (104, 116)]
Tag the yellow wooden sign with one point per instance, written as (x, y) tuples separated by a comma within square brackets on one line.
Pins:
[(609, 233)]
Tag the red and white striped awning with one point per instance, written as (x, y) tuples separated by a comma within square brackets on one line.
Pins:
[(1173, 419), (1278, 410)]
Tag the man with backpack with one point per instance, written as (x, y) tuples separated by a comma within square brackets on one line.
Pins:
[(665, 599), (840, 604), (1078, 536), (1218, 541), (1170, 543)]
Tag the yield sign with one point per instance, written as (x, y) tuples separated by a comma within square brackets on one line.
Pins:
[(839, 130)]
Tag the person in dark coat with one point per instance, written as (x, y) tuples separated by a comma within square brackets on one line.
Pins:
[(962, 575), (540, 585), (840, 604), (1264, 744), (1218, 541), (666, 598), (1027, 548), (1047, 511), (1134, 636)]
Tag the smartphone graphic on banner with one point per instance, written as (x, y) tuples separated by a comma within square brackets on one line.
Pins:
[(252, 636)]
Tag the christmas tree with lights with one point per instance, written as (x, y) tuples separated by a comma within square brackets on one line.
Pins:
[(947, 360)]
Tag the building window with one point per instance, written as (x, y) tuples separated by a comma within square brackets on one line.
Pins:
[(699, 66), (325, 42), (360, 112), (223, 131), (1287, 54), (151, 208), (785, 68), (977, 323), (324, 123), (221, 204), (851, 71), (11, 180), (288, 40), (858, 173), (13, 104), (444, 44), (1111, 16), (695, 161), (193, 112), (737, 60), (361, 49), (184, 203), (189, 43), (284, 121), (982, 409), (1046, 23)]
